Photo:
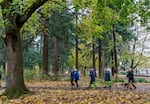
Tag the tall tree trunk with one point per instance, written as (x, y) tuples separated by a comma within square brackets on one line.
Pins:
[(100, 58), (39, 48), (77, 66), (112, 62), (45, 54), (56, 57), (45, 43), (133, 51), (15, 86), (93, 54), (115, 55)]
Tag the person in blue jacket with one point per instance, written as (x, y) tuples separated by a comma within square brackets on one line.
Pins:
[(92, 75), (76, 77)]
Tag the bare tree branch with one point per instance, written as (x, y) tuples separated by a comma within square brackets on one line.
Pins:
[(140, 53)]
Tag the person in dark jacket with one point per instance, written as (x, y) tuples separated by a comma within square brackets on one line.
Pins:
[(72, 76), (76, 77), (130, 76), (107, 75), (107, 78), (92, 75)]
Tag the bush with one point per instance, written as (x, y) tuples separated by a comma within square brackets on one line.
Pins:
[(31, 74), (67, 79), (93, 85), (121, 80), (141, 80), (122, 72), (105, 83), (54, 78)]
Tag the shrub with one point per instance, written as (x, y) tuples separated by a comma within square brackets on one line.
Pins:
[(122, 72), (141, 80), (105, 83), (31, 74)]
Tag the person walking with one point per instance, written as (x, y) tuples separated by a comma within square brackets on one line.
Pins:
[(107, 75), (107, 78), (130, 76), (92, 76), (72, 77), (76, 77)]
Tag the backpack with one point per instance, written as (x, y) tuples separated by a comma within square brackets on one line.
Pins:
[(76, 75), (92, 73)]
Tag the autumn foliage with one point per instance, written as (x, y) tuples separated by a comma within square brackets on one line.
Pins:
[(60, 92)]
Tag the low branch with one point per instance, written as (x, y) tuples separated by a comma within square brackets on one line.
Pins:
[(23, 18)]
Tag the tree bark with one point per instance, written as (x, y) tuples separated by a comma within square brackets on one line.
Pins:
[(45, 54), (45, 44), (93, 54), (112, 62), (15, 85), (56, 57), (115, 55), (77, 66), (100, 58)]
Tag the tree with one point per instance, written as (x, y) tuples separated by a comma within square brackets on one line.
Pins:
[(14, 17), (79, 5), (44, 27), (61, 37)]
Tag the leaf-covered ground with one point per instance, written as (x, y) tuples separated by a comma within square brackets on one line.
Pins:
[(60, 92)]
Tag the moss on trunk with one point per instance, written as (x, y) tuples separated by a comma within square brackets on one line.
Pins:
[(12, 93)]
